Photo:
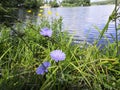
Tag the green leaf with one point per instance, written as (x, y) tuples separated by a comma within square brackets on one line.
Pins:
[(111, 17)]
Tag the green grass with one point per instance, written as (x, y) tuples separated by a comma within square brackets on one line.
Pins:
[(86, 67)]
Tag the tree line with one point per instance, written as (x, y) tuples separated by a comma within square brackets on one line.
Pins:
[(19, 3), (76, 3), (38, 3), (105, 2)]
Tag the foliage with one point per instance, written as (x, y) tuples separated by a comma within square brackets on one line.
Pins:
[(54, 3), (68, 5), (8, 3), (33, 3), (7, 15), (19, 3), (85, 66), (76, 2), (105, 2), (115, 18)]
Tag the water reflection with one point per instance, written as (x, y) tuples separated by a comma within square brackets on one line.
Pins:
[(79, 21)]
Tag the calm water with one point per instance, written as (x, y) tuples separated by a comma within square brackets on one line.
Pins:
[(81, 21)]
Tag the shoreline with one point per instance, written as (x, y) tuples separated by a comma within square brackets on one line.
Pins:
[(45, 6)]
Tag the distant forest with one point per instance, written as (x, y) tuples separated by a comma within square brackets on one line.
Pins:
[(76, 3), (105, 2)]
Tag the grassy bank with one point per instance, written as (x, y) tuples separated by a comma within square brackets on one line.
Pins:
[(83, 66)]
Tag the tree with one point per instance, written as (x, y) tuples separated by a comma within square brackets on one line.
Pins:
[(8, 3), (77, 2), (54, 3), (33, 3)]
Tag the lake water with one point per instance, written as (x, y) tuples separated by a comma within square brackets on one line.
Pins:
[(81, 21)]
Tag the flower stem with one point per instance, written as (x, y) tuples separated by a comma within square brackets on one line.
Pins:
[(116, 26)]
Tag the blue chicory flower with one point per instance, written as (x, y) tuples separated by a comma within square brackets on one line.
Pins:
[(57, 55), (46, 32), (43, 68)]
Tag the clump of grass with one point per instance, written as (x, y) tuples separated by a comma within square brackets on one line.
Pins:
[(22, 51)]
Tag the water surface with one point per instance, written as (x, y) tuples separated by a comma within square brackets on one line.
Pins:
[(81, 21)]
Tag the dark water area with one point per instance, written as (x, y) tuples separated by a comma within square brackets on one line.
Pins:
[(81, 22)]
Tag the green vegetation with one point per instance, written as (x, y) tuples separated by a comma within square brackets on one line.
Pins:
[(33, 3), (54, 3), (7, 15), (105, 2), (21, 3), (8, 9), (86, 67), (8, 3), (76, 3)]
